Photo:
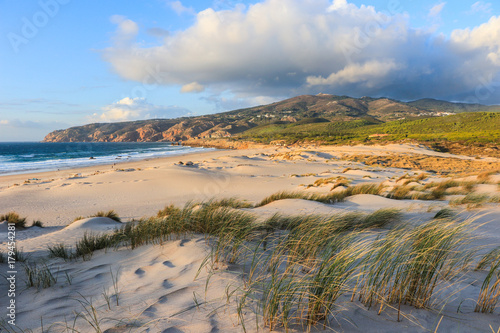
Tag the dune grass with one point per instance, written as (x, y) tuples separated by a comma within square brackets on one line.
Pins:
[(297, 267), (109, 214), (39, 277), (405, 266), (490, 289), (60, 251), (37, 223), (330, 197), (13, 217), (474, 200), (300, 269), (86, 246)]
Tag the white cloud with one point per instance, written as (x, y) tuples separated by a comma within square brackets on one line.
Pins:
[(192, 87), (369, 73), (481, 7), (250, 52), (126, 30), (179, 8), (338, 4), (436, 10), (137, 108)]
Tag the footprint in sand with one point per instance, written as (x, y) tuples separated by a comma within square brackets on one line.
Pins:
[(169, 264), (150, 312), (140, 272), (184, 241), (166, 284)]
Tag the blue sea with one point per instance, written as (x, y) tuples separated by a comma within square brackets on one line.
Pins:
[(25, 157)]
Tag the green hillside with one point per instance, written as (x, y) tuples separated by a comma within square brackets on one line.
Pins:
[(475, 126)]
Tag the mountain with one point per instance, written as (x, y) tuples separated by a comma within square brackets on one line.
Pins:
[(300, 109)]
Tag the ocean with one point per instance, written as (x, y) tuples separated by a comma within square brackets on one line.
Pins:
[(25, 157)]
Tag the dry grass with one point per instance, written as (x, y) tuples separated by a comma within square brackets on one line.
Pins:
[(448, 165), (473, 200), (297, 267), (332, 197), (490, 289), (13, 217), (109, 214)]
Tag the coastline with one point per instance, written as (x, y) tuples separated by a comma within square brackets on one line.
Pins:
[(139, 188)]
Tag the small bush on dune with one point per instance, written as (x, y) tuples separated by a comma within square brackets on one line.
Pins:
[(60, 251), (473, 200), (332, 197), (444, 213), (168, 210), (37, 223), (109, 214), (399, 192), (13, 217), (90, 243), (281, 196)]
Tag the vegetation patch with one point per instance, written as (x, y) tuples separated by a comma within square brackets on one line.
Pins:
[(13, 217)]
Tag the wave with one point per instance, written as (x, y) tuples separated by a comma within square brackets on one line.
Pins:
[(21, 165)]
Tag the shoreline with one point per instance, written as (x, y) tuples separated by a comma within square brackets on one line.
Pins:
[(97, 163), (91, 168), (135, 189)]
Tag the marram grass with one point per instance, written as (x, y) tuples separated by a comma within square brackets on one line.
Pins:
[(297, 267)]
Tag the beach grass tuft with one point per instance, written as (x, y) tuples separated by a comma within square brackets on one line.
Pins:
[(13, 217), (39, 277), (60, 251), (331, 197), (37, 223), (109, 214)]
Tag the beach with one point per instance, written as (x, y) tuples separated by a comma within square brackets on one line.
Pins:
[(163, 289)]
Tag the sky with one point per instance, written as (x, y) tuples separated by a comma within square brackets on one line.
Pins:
[(66, 63)]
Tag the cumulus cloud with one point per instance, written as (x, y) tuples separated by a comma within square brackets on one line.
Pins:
[(283, 48), (137, 108)]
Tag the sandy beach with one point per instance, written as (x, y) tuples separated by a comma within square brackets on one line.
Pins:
[(161, 288)]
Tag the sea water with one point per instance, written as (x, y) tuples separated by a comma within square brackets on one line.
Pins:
[(24, 157)]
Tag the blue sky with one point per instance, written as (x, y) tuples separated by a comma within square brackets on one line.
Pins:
[(65, 62)]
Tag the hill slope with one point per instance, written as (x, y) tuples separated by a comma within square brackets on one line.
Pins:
[(472, 127), (300, 109)]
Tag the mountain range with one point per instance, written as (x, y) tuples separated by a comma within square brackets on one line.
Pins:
[(300, 109)]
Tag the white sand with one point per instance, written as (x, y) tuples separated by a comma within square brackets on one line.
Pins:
[(158, 291)]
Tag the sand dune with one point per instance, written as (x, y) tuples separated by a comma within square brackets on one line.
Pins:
[(161, 288)]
